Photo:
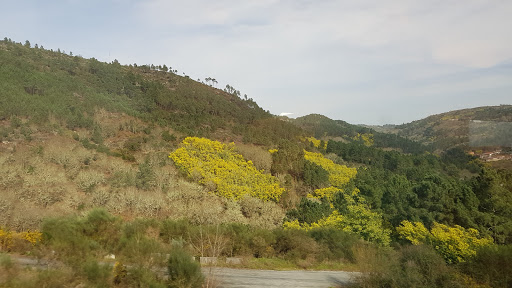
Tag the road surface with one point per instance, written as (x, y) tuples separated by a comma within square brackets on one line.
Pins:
[(242, 278)]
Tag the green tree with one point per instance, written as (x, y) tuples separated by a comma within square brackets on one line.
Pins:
[(315, 176), (145, 178)]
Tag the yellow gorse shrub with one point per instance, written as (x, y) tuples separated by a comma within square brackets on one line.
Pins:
[(33, 237), (367, 139), (316, 142), (339, 175), (455, 244), (357, 217), (7, 238), (220, 168)]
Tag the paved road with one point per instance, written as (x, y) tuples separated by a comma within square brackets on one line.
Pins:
[(242, 278), (245, 278)]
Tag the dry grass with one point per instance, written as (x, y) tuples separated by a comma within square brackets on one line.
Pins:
[(54, 175)]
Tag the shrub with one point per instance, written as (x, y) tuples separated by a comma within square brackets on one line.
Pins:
[(261, 243), (456, 244), (166, 136), (340, 244), (75, 239), (133, 144), (411, 266), (492, 265), (174, 229), (87, 180), (135, 244), (141, 277), (145, 177), (309, 211), (96, 273), (295, 245), (315, 176), (183, 271), (99, 225), (223, 170)]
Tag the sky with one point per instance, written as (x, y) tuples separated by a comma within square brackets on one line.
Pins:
[(365, 62)]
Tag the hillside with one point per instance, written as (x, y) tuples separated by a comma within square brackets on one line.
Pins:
[(100, 158), (339, 130), (458, 128), (78, 133)]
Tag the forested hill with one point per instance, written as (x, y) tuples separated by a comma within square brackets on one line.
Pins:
[(455, 128), (38, 83), (78, 133), (339, 130)]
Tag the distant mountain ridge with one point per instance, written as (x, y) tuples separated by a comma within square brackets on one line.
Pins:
[(452, 128), (459, 128), (339, 130)]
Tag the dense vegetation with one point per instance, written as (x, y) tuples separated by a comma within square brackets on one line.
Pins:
[(323, 127), (224, 171), (78, 134), (461, 128), (46, 83)]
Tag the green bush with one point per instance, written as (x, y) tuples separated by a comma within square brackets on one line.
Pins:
[(96, 274), (183, 271), (295, 245), (309, 211), (102, 227), (145, 177), (141, 277), (77, 238), (166, 136), (135, 245), (174, 230), (261, 242), (339, 243), (492, 266), (414, 266), (64, 235), (315, 176)]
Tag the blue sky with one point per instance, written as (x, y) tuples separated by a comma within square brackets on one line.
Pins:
[(371, 62)]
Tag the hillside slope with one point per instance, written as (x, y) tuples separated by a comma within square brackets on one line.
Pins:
[(339, 130), (452, 128), (77, 133)]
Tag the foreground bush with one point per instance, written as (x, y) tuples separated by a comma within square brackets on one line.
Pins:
[(411, 266), (184, 272)]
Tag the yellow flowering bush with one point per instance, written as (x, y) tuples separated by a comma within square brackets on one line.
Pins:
[(224, 171), (8, 238), (356, 217), (316, 142), (5, 240), (33, 237), (327, 193), (339, 175), (367, 139), (455, 244)]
